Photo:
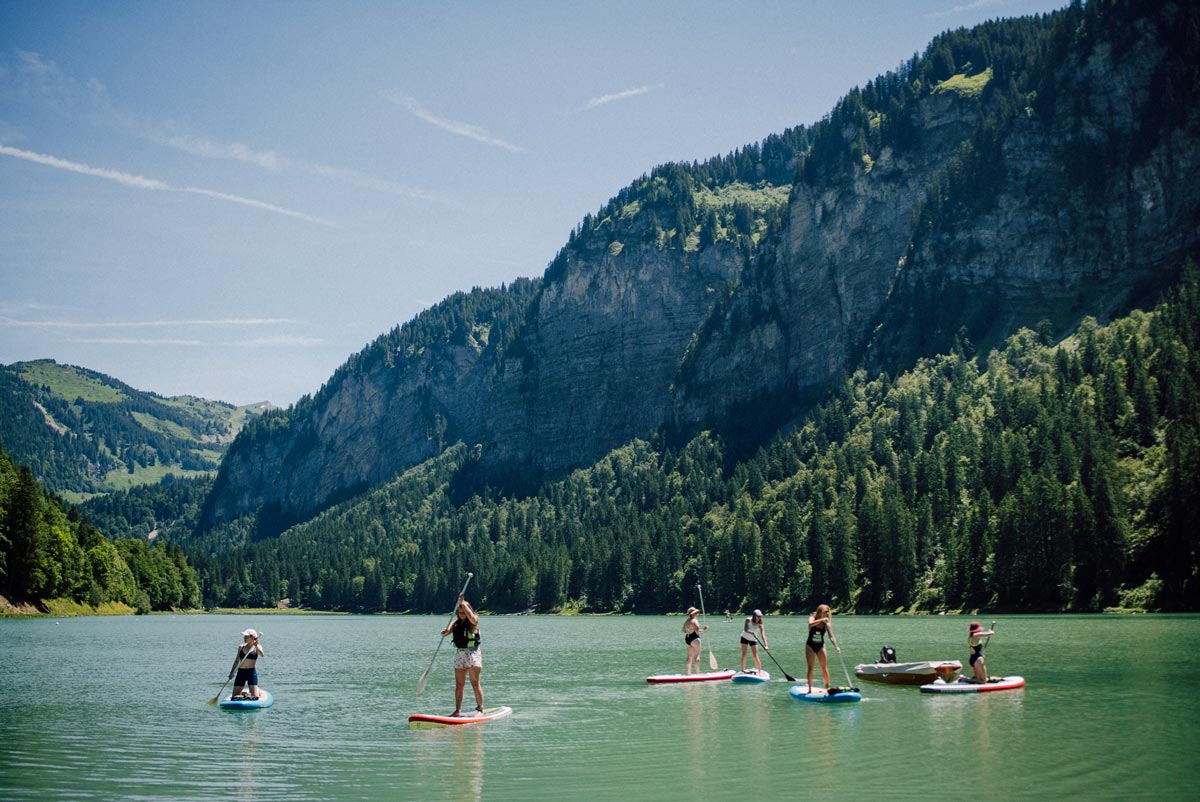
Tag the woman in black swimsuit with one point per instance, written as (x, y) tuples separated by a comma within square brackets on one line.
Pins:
[(691, 638), (820, 624), (975, 642)]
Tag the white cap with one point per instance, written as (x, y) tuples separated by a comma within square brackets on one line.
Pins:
[(252, 633), (758, 613)]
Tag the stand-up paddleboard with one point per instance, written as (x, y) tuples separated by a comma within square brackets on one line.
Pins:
[(828, 696), (424, 721), (751, 677), (706, 677), (967, 686), (265, 699)]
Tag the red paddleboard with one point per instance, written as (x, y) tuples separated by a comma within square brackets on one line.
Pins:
[(708, 677), (425, 721)]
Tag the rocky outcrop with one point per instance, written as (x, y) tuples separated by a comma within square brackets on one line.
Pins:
[(988, 219)]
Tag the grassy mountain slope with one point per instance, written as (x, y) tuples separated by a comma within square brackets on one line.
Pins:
[(84, 433)]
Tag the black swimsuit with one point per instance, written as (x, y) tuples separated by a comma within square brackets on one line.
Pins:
[(976, 653), (816, 638)]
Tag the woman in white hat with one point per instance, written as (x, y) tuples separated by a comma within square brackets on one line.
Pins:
[(249, 650), (691, 639), (753, 633)]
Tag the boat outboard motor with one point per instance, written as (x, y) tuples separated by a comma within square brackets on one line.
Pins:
[(887, 655)]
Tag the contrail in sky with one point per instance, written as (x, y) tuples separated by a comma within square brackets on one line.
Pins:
[(141, 324), (628, 93), (462, 129), (141, 182)]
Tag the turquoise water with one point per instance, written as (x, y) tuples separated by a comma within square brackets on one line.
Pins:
[(114, 708)]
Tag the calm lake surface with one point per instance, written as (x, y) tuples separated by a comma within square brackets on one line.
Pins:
[(115, 708)]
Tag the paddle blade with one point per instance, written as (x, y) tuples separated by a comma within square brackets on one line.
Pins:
[(421, 681), (712, 660), (212, 702)]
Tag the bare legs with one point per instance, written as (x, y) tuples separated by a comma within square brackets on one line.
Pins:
[(816, 657), (460, 681)]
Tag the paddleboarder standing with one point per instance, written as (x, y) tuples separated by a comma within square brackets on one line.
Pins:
[(249, 650), (468, 657), (820, 625), (753, 633), (691, 639)]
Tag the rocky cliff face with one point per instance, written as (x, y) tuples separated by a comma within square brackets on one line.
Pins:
[(856, 277), (882, 260), (603, 349)]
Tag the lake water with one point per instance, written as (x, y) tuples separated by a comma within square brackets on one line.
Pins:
[(115, 709)]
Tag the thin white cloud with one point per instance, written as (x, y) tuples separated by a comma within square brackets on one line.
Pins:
[(138, 324), (467, 130), (596, 102), (276, 162), (141, 182), (29, 76), (131, 341), (950, 12), (282, 340), (206, 148)]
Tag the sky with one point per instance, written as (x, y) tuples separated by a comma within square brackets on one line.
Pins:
[(229, 199)]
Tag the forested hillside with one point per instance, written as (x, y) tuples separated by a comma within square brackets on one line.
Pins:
[(1026, 170), (48, 552), (83, 433), (1038, 476)]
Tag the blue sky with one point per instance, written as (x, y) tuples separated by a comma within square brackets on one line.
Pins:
[(228, 199)]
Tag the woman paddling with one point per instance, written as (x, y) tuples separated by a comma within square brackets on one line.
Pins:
[(820, 624), (468, 658), (249, 650), (691, 639), (753, 633), (975, 636)]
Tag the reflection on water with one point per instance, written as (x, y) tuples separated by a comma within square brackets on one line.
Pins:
[(116, 711)]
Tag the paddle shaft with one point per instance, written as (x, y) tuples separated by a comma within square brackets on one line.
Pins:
[(786, 675), (842, 660), (425, 673), (214, 700), (712, 660)]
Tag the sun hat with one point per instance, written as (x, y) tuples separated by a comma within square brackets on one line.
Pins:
[(974, 627), (252, 633), (692, 611)]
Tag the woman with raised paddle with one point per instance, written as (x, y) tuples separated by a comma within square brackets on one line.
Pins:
[(753, 633), (820, 625), (976, 642), (249, 650), (468, 658), (691, 639)]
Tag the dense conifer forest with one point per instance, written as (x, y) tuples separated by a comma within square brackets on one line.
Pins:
[(49, 551), (1038, 476)]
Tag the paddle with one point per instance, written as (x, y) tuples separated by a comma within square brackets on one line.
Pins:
[(213, 700), (712, 661), (425, 673), (842, 660), (786, 675)]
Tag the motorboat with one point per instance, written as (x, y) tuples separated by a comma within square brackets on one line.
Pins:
[(921, 672)]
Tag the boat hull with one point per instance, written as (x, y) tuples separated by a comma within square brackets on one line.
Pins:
[(915, 673)]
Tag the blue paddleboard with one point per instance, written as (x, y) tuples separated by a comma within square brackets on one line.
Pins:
[(806, 694), (265, 699), (751, 677)]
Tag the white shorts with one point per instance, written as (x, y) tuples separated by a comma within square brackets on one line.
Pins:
[(468, 658)]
